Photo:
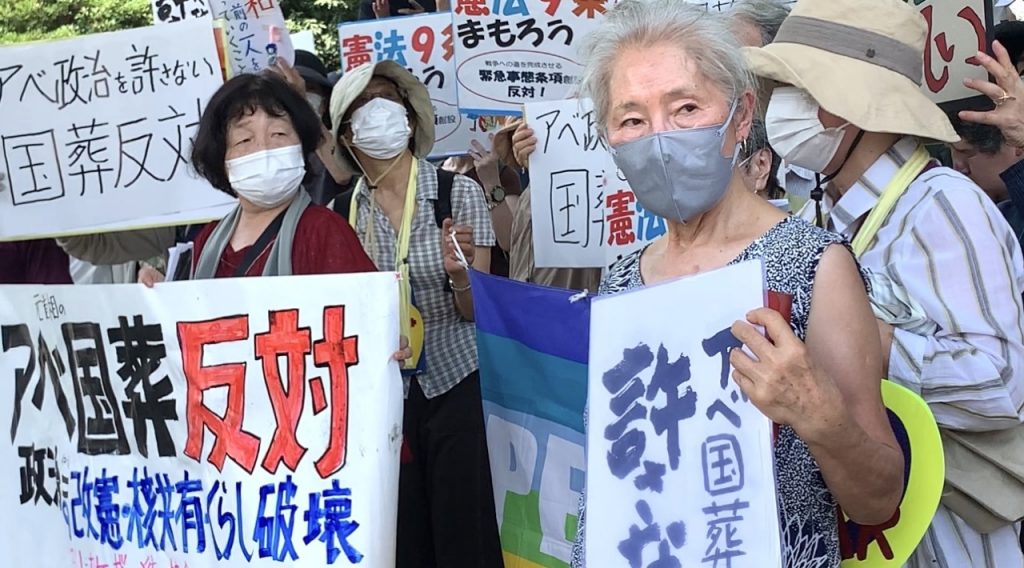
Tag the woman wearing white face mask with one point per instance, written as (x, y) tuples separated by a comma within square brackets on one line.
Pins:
[(946, 269), (407, 214), (253, 141), (675, 101)]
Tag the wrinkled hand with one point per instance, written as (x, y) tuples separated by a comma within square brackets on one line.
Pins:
[(452, 265), (404, 351), (289, 74), (1007, 116), (524, 143), (783, 382), (149, 276), (486, 164), (381, 8)]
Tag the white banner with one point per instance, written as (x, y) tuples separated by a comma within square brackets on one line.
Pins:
[(97, 130), (233, 422), (422, 44), (512, 52), (584, 213), (679, 463)]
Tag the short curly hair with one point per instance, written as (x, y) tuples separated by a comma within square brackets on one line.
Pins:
[(242, 96)]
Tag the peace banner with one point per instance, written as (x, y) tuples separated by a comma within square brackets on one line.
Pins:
[(230, 422)]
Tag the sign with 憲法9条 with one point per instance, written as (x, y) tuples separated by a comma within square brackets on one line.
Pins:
[(97, 130), (422, 44), (250, 422), (584, 213), (512, 52), (680, 467)]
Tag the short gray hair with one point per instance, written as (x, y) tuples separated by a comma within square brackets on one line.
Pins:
[(767, 15), (706, 37)]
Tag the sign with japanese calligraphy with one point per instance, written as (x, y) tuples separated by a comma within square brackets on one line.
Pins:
[(423, 45), (726, 5), (584, 213), (172, 11), (679, 463), (253, 44), (202, 423), (245, 9), (533, 381), (957, 30), (511, 52), (97, 130)]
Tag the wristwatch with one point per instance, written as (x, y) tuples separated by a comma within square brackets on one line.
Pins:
[(496, 196)]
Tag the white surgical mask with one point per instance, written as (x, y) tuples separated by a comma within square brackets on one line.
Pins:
[(795, 132), (315, 101), (380, 129), (268, 178)]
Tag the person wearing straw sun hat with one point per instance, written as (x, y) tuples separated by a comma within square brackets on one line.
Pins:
[(409, 217), (943, 263)]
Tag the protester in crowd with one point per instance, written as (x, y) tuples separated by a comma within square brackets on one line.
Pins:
[(38, 261), (983, 155), (499, 182), (675, 100), (755, 22), (253, 142), (855, 112), (373, 9), (408, 215), (759, 165)]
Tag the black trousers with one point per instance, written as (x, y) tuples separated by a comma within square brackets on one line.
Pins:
[(446, 516)]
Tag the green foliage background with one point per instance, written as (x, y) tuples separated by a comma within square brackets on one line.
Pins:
[(31, 20)]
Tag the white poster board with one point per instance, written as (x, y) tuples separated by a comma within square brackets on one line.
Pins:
[(956, 33), (229, 422), (584, 213), (512, 52), (252, 44), (678, 463), (97, 130), (422, 44)]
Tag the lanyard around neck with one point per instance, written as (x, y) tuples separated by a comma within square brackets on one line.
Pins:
[(895, 189)]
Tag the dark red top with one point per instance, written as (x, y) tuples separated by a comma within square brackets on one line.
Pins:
[(324, 244), (34, 262)]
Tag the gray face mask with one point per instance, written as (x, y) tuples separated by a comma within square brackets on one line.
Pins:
[(679, 174)]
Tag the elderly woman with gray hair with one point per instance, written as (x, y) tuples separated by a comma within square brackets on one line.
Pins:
[(675, 101)]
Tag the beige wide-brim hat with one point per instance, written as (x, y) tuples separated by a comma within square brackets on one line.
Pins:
[(861, 60), (354, 82)]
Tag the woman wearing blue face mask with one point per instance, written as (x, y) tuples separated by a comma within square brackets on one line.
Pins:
[(253, 142), (408, 215), (674, 99)]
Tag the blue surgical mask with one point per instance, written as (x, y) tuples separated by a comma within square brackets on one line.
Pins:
[(679, 174)]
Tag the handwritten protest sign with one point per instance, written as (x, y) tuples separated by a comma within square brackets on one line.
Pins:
[(206, 423), (511, 52), (422, 44), (679, 464), (584, 213), (173, 11), (252, 44), (957, 31), (246, 9), (97, 130)]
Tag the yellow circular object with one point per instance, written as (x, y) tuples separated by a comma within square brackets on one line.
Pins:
[(415, 337), (890, 545)]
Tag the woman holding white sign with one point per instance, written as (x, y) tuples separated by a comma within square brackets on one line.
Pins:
[(675, 101)]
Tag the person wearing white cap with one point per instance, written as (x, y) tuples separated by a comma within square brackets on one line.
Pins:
[(408, 214), (850, 107)]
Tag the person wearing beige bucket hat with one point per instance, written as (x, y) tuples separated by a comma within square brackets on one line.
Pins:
[(383, 123), (939, 255)]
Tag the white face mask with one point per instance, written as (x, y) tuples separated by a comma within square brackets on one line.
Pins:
[(795, 132), (380, 129), (315, 101), (269, 178)]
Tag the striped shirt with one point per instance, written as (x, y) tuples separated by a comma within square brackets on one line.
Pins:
[(949, 247), (449, 340)]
